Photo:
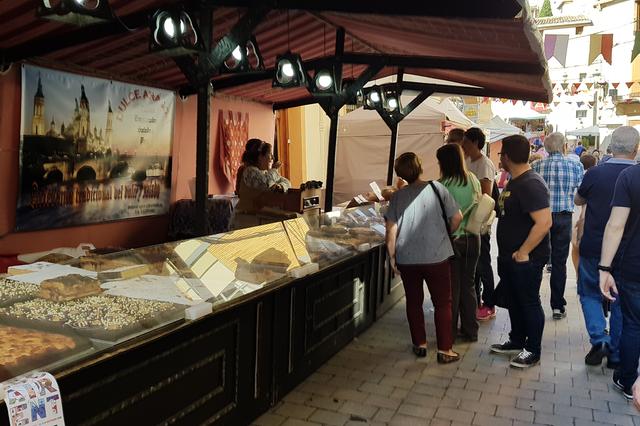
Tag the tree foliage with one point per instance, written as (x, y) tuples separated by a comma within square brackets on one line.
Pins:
[(546, 9)]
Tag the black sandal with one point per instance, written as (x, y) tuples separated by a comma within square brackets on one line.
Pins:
[(446, 358), (420, 351)]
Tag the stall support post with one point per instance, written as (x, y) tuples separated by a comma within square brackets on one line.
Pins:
[(331, 161), (202, 131), (392, 152), (202, 157)]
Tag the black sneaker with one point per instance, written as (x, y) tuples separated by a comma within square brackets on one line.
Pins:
[(558, 314), (596, 354), (525, 359), (507, 348), (626, 392)]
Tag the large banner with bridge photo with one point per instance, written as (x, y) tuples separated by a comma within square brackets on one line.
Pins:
[(92, 150)]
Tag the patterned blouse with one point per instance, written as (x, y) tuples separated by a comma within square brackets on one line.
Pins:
[(253, 177)]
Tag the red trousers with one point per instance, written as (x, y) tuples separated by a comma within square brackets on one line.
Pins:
[(438, 278)]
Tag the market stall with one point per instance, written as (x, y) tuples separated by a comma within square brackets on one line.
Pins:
[(129, 336)]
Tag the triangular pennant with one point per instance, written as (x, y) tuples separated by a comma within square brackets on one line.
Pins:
[(550, 45), (575, 87), (565, 85), (589, 85), (595, 47), (504, 100), (514, 101), (555, 104), (615, 85), (636, 47), (591, 104), (629, 84), (580, 104)]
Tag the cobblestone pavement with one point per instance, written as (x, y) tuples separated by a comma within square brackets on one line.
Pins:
[(376, 380)]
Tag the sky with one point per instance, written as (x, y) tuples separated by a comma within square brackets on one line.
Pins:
[(61, 89)]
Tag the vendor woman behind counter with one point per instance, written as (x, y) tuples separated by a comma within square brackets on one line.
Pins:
[(256, 176)]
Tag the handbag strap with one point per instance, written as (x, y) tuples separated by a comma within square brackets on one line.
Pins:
[(444, 214)]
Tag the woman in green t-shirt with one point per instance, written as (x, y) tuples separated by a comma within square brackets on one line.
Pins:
[(465, 189)]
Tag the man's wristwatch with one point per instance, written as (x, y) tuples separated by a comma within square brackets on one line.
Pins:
[(605, 268)]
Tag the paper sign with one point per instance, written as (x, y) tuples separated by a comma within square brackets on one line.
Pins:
[(380, 229), (359, 213), (376, 190), (33, 400)]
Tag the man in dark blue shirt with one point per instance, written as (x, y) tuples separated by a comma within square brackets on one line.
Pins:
[(523, 249), (620, 277), (596, 191)]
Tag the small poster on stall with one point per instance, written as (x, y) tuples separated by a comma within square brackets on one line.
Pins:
[(33, 400)]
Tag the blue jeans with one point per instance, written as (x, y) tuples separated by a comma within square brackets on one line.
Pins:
[(560, 239), (522, 285), (594, 318), (630, 340)]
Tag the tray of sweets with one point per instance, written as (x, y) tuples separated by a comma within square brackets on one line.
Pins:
[(13, 291), (102, 317), (23, 350)]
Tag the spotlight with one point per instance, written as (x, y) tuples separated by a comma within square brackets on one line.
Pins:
[(77, 12), (372, 98), (323, 80), (391, 104), (244, 57), (289, 71), (174, 33)]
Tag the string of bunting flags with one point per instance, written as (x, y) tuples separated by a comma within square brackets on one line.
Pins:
[(557, 45)]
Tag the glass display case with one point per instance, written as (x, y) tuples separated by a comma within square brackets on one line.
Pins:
[(54, 315)]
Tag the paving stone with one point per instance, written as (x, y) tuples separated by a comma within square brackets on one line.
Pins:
[(486, 420), (297, 422), (552, 419), (382, 402), (376, 389), (573, 411), (416, 410), (515, 414), (404, 420), (384, 415), (498, 399), (325, 402), (478, 407), (463, 394), (535, 405), (358, 409), (350, 395), (329, 418), (298, 411), (517, 392), (454, 415), (269, 419), (615, 419), (596, 404)]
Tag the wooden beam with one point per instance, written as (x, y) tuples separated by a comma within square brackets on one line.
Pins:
[(449, 8), (47, 44)]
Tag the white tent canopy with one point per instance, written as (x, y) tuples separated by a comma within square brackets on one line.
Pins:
[(519, 111), (499, 129), (587, 131), (363, 144)]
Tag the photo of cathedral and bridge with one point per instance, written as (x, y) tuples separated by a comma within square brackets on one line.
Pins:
[(92, 150)]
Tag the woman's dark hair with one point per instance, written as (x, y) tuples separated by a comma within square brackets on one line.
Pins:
[(517, 148), (588, 161), (452, 167), (252, 152), (265, 148)]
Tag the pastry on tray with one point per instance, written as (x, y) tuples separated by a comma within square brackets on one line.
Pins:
[(334, 229), (103, 311), (362, 231), (98, 263), (274, 258), (11, 291), (22, 349), (69, 287)]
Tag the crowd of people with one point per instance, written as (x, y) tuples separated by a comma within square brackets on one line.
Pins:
[(545, 206)]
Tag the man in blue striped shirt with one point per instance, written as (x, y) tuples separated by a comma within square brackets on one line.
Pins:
[(563, 177)]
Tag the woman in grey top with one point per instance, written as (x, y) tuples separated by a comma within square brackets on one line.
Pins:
[(419, 221)]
